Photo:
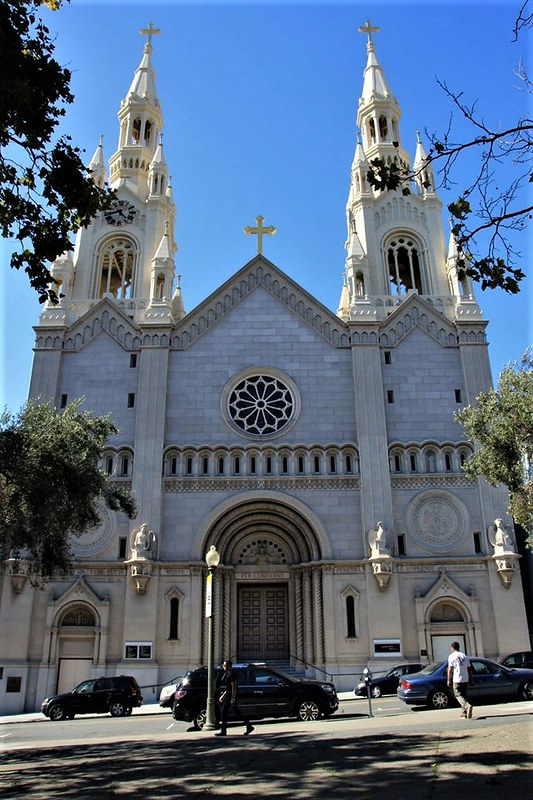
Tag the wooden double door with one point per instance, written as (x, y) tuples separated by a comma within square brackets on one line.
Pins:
[(263, 633)]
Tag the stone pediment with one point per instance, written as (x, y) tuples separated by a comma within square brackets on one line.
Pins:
[(79, 591), (417, 313), (105, 316), (260, 273)]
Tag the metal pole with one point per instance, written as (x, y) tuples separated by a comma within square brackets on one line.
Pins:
[(210, 718)]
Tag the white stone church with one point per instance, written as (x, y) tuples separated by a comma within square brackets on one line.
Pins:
[(317, 451)]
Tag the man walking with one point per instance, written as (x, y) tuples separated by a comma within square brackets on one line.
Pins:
[(459, 671), (230, 685)]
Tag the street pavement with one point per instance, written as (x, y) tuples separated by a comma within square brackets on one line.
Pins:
[(425, 755)]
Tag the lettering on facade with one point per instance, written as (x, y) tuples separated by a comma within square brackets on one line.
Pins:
[(262, 576)]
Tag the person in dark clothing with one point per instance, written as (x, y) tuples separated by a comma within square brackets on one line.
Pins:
[(228, 699)]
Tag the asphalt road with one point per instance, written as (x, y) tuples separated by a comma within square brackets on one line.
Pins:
[(398, 753)]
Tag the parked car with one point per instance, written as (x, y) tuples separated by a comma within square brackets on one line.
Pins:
[(264, 691), (522, 659), (387, 683), (166, 697), (491, 683), (116, 696)]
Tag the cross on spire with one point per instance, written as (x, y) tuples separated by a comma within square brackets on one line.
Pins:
[(369, 30), (150, 31), (259, 231)]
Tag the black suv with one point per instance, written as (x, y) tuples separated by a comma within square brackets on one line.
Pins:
[(117, 695), (264, 691)]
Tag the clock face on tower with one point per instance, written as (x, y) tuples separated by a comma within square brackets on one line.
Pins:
[(119, 213)]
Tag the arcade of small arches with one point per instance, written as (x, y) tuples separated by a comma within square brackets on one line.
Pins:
[(220, 462), (428, 458)]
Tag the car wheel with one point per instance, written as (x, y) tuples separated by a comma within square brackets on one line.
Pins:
[(308, 711), (376, 691), (117, 709), (526, 690), (57, 713), (439, 699), (199, 719)]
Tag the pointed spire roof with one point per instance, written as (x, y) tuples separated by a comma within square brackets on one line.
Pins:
[(164, 251), (159, 155), (178, 309), (374, 81), (97, 164), (143, 83)]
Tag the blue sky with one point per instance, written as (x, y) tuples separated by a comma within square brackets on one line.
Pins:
[(259, 103)]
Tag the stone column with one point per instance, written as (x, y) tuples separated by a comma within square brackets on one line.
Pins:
[(308, 617), (318, 615)]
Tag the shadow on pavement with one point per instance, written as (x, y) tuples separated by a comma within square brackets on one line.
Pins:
[(279, 765)]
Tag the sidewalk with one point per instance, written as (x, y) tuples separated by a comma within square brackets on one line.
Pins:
[(425, 756)]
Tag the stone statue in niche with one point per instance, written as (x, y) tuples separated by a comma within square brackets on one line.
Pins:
[(377, 539), (142, 542), (499, 538)]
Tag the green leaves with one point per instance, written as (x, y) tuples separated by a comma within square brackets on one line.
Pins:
[(50, 483), (501, 425), (46, 192)]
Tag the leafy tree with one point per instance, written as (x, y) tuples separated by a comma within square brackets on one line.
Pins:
[(46, 192), (495, 202), (502, 426), (50, 484)]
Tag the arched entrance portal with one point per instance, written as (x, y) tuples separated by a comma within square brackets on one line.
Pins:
[(268, 591)]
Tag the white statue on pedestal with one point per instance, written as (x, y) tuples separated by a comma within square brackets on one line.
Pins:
[(142, 542), (500, 539), (377, 539)]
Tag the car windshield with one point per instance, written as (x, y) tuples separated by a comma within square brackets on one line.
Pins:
[(281, 674), (431, 668)]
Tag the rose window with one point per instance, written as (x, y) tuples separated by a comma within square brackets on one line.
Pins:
[(260, 405)]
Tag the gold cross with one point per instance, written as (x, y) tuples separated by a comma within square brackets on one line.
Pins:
[(150, 31), (259, 231), (369, 30)]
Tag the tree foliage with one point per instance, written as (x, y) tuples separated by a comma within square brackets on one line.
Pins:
[(46, 192), (495, 203), (51, 484), (501, 424)]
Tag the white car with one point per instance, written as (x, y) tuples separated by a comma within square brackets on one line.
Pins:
[(166, 698)]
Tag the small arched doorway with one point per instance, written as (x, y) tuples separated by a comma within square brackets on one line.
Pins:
[(76, 640)]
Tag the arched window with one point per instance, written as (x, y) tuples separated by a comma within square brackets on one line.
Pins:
[(403, 264), (117, 265), (125, 466), (360, 290), (136, 131), (147, 131), (109, 465), (448, 462), (431, 461), (173, 465), (383, 129), (350, 617), (174, 615), (221, 465), (371, 131)]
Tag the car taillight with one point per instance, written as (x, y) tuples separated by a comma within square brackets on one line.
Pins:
[(180, 694), (405, 684)]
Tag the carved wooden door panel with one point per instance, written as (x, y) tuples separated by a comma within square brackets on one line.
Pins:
[(263, 623)]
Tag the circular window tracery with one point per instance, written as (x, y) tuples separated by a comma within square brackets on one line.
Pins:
[(261, 404)]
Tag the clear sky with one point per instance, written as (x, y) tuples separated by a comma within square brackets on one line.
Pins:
[(259, 103)]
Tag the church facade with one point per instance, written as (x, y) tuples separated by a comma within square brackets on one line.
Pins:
[(317, 451)]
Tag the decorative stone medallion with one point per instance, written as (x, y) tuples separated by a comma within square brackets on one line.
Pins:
[(438, 521), (97, 539)]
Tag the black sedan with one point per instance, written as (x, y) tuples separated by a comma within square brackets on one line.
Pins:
[(387, 683), (491, 683)]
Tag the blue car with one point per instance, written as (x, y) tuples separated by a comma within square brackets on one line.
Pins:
[(491, 683)]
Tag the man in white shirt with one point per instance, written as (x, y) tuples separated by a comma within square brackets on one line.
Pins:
[(459, 671)]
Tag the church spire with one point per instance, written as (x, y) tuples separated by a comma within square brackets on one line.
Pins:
[(395, 242), (141, 122)]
